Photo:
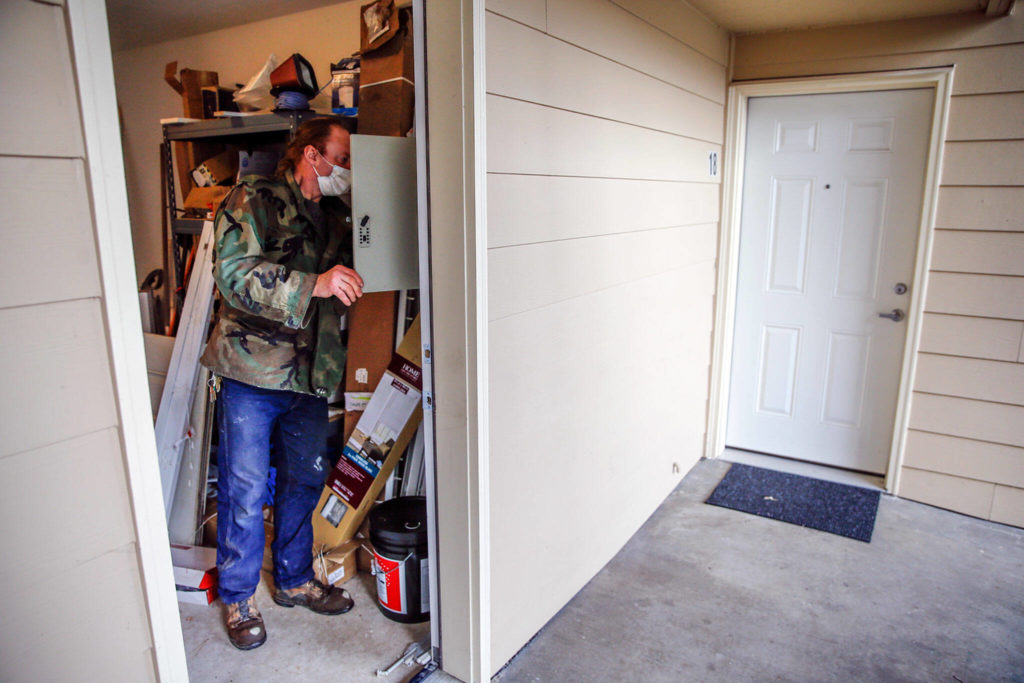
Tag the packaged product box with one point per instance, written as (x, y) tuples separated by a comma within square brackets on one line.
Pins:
[(217, 170), (335, 567), (377, 442)]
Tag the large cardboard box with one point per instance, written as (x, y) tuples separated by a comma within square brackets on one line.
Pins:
[(369, 456), (386, 89), (217, 170), (371, 343)]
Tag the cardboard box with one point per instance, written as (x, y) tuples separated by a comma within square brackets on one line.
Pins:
[(215, 99), (371, 343), (386, 84), (387, 108), (369, 456), (217, 170), (195, 573), (337, 566), (203, 197)]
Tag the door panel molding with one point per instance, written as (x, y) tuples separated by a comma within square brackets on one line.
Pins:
[(940, 81)]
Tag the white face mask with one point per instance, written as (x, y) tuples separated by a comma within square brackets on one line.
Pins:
[(337, 183)]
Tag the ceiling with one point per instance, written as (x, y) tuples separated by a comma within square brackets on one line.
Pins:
[(134, 23)]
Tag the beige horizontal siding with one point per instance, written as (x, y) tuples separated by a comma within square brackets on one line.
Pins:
[(602, 216), (684, 23), (979, 420), (1008, 505), (608, 30), (552, 72), (986, 117), (523, 137), (41, 117), (958, 335), (56, 374), (979, 70), (967, 496), (965, 458), (897, 39), (542, 274), (981, 208), (990, 253), (987, 162), (985, 380), (526, 209), (990, 296), (529, 12)]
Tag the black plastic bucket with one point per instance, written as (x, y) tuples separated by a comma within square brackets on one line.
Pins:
[(398, 532)]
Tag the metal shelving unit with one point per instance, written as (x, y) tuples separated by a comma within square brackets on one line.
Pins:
[(234, 130)]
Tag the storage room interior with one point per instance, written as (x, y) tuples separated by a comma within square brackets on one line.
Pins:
[(299, 642)]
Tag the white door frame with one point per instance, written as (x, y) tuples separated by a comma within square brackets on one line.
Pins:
[(941, 82)]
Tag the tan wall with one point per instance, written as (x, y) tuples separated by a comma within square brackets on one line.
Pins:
[(322, 36), (73, 600), (602, 228), (965, 448)]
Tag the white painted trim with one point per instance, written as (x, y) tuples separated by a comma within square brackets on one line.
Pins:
[(455, 124), (941, 81), (87, 23)]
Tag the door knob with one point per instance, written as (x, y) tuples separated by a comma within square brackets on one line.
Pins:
[(896, 315)]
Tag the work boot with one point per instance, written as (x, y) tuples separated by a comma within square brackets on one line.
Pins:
[(245, 624), (317, 597)]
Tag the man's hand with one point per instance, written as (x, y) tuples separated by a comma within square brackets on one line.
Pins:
[(341, 282)]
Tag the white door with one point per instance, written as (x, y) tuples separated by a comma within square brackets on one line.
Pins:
[(832, 194)]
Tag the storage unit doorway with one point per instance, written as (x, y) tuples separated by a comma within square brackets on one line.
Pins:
[(848, 406), (93, 36)]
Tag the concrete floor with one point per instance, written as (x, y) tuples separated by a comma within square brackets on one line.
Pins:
[(702, 593), (301, 645)]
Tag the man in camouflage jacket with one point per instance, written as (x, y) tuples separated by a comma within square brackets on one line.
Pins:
[(283, 265)]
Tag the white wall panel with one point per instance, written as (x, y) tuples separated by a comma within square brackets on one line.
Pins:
[(528, 138), (531, 12), (990, 162), (992, 253), (986, 117), (529, 65), (965, 458), (56, 374), (993, 422), (986, 380), (39, 107), (684, 23), (579, 437), (528, 277), (980, 208), (604, 28), (957, 335), (522, 209), (49, 251)]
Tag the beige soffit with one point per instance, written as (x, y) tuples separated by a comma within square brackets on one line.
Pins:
[(755, 16)]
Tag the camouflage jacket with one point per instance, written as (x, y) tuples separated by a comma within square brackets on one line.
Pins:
[(270, 244)]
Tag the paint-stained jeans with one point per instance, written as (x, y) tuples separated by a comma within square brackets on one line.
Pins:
[(249, 419)]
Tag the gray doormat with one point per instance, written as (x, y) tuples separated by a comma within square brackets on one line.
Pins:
[(824, 505)]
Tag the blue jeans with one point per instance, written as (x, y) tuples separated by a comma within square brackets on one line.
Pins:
[(250, 419)]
